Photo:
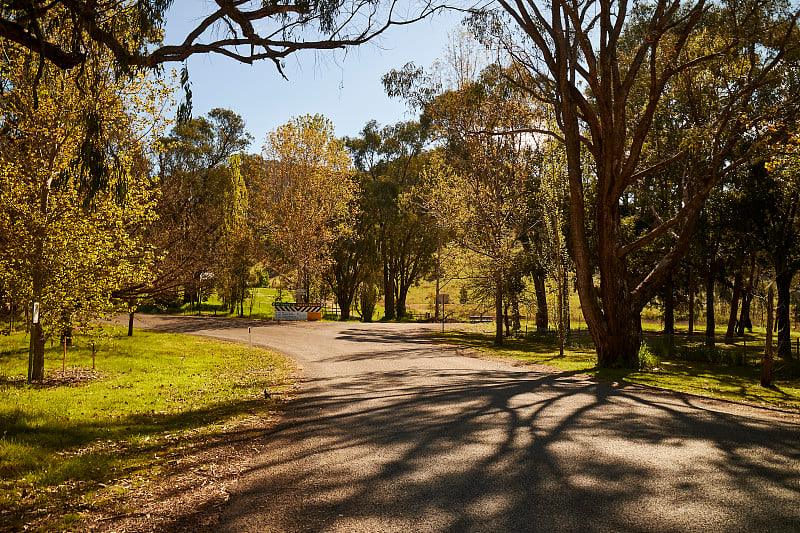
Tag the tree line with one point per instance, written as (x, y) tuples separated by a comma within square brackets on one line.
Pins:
[(631, 151)]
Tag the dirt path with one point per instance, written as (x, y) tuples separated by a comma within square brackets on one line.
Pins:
[(393, 433)]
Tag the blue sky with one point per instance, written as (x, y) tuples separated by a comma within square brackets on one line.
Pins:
[(343, 86)]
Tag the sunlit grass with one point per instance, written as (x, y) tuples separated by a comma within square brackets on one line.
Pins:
[(728, 382), (151, 395)]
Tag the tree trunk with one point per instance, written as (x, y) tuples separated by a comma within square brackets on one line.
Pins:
[(620, 348), (388, 291), (37, 372), (744, 316), (498, 309), (669, 307), (692, 290), (710, 325), (737, 291), (400, 304), (541, 301), (618, 343), (438, 275), (36, 363), (784, 282), (515, 318), (130, 323), (767, 362), (565, 304), (36, 366), (747, 297), (344, 308)]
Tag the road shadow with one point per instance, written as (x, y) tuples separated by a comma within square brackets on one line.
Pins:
[(383, 334), (457, 450), (193, 324)]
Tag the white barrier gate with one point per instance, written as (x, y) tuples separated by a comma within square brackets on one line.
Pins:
[(287, 311)]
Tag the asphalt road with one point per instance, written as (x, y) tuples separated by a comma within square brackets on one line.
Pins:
[(391, 432)]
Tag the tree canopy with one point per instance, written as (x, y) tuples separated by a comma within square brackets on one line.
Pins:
[(244, 31)]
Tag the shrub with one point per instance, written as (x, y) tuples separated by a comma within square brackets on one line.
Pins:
[(647, 359)]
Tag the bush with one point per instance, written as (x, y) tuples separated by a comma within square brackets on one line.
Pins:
[(647, 359)]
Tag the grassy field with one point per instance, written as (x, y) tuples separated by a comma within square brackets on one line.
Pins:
[(683, 365), (421, 299), (74, 444)]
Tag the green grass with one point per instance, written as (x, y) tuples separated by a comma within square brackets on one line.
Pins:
[(261, 299), (721, 381), (66, 448)]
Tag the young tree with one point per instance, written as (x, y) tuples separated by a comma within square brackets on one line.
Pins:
[(552, 195), (235, 258), (477, 114), (71, 189), (307, 196)]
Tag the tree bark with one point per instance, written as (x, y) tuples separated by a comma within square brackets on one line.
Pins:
[(620, 348), (744, 316), (38, 273), (737, 291), (692, 290), (515, 318), (767, 362), (438, 276), (344, 309), (669, 307), (498, 309), (784, 282), (400, 304), (388, 291), (541, 301), (37, 373), (747, 297)]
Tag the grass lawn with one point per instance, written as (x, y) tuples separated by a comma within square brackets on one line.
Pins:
[(733, 381), (74, 444), (257, 305)]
